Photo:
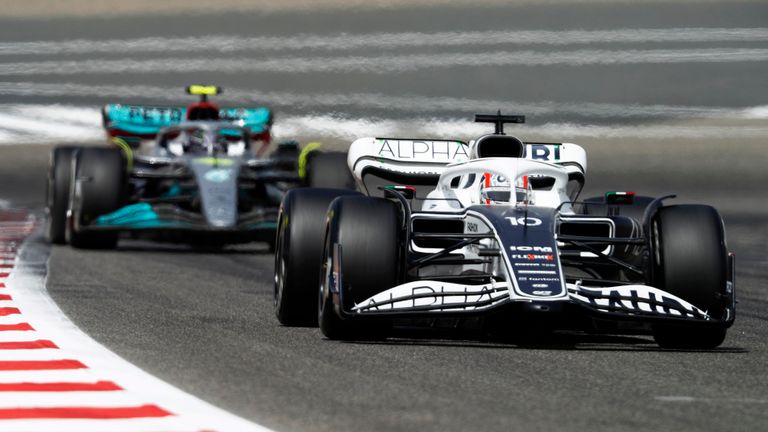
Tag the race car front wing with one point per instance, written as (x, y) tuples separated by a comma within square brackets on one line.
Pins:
[(427, 298)]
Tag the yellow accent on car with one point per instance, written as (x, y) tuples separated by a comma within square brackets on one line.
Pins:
[(203, 90), (309, 148), (212, 161), (123, 144)]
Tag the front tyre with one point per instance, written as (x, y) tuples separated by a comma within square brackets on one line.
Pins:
[(57, 192), (690, 259), (361, 258), (298, 253), (97, 188)]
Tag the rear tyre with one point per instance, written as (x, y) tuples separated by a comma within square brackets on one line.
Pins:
[(690, 261), (362, 241), (57, 192), (298, 253), (98, 188), (329, 170)]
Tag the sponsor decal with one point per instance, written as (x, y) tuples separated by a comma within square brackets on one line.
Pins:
[(218, 175), (531, 249), (636, 298), (435, 297), (422, 150), (471, 227), (540, 285), (537, 272), (148, 113), (542, 292), (527, 264), (544, 152), (533, 257), (524, 221), (537, 279)]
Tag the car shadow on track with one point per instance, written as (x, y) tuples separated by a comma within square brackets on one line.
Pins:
[(195, 249), (561, 341)]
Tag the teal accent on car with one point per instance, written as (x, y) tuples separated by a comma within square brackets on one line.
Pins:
[(148, 120), (173, 191), (255, 119), (142, 120), (262, 225), (139, 215)]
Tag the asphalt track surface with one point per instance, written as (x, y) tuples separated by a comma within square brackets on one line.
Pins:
[(202, 319)]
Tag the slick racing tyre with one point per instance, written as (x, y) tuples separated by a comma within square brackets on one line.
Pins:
[(298, 253), (690, 261), (362, 246), (329, 170), (57, 192), (98, 188)]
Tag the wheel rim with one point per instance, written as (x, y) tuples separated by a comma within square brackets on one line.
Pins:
[(279, 267), (324, 281), (656, 243), (279, 281)]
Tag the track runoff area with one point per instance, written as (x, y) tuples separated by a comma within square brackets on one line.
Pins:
[(54, 378)]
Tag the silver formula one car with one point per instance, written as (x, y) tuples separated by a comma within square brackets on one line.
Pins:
[(492, 232), (189, 173)]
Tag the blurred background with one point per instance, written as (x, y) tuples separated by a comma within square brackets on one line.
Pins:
[(645, 77), (666, 96)]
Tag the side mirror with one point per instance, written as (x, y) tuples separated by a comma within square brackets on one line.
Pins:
[(408, 192), (619, 198)]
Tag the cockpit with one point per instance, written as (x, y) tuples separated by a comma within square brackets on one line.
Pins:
[(197, 138)]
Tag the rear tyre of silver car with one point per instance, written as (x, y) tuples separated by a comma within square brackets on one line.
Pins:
[(329, 170), (97, 188), (57, 192), (298, 253), (689, 258), (361, 258)]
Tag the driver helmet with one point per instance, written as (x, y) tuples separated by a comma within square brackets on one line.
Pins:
[(496, 189)]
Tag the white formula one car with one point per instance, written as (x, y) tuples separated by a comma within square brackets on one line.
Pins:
[(492, 231)]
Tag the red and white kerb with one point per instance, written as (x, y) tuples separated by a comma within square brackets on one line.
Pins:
[(54, 378)]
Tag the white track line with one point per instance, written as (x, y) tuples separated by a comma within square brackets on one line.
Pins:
[(62, 399), (342, 42), (36, 354), (18, 336), (349, 129), (385, 64), (43, 124), (690, 399), (74, 375), (410, 104), (129, 425)]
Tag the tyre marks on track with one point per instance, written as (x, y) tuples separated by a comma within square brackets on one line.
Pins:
[(54, 378)]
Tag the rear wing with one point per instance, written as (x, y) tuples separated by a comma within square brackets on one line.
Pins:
[(566, 154), (376, 162), (144, 122)]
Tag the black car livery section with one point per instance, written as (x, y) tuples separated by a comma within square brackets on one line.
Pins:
[(534, 228)]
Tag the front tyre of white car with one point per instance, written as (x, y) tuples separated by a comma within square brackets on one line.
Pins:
[(362, 257), (298, 253), (690, 258)]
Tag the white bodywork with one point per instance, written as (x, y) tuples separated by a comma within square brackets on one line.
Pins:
[(463, 180)]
